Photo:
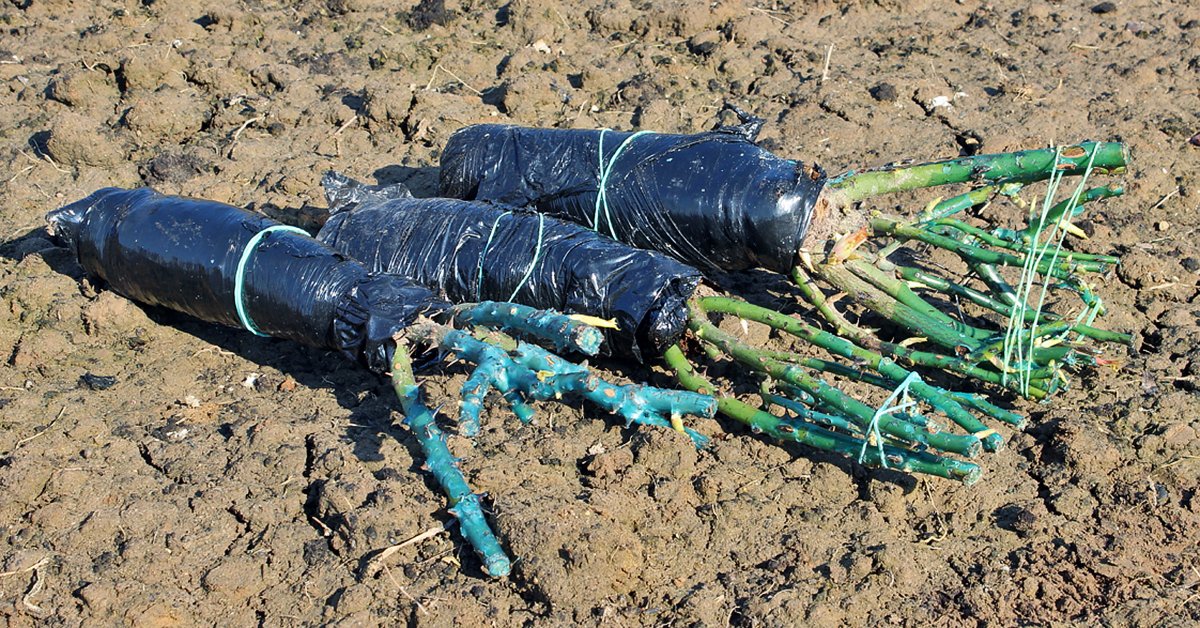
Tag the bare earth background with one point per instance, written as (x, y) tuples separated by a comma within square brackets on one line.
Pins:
[(187, 493)]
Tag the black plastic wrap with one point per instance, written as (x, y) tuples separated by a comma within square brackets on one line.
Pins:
[(183, 254), (446, 245), (714, 200)]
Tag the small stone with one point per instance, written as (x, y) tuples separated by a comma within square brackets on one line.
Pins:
[(1191, 264), (705, 43), (884, 92), (97, 382), (1195, 141), (287, 385), (1104, 7), (1162, 225)]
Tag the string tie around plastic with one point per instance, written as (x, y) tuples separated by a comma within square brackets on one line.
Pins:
[(602, 185), (239, 278), (537, 253), (887, 409)]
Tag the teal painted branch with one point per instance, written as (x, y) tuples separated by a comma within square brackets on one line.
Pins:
[(465, 504), (494, 370), (559, 330), (637, 404)]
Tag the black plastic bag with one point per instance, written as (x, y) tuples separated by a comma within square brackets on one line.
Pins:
[(476, 251), (184, 254), (714, 200)]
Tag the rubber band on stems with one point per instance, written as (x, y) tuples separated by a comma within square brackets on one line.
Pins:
[(602, 184), (886, 409), (537, 253), (239, 278)]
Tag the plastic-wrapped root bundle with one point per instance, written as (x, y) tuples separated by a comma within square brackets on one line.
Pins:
[(424, 239), (719, 202), (226, 265), (713, 200), (476, 251)]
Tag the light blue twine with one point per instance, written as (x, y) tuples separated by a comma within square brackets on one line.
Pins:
[(239, 279), (886, 409), (537, 253), (602, 185), (483, 254)]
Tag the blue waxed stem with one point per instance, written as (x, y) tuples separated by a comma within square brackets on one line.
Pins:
[(444, 468), (560, 330), (493, 369), (637, 404)]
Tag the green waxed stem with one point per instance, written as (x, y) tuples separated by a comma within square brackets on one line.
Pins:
[(1022, 167), (1056, 212), (1058, 270), (991, 276), (956, 204), (1041, 355), (983, 405), (817, 437), (984, 300), (808, 414), (885, 305), (843, 348), (644, 405), (900, 291), (811, 293), (560, 330), (1081, 261), (442, 465), (967, 445), (957, 365), (946, 286), (833, 368)]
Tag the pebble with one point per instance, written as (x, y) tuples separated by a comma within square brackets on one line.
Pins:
[(97, 382), (884, 92)]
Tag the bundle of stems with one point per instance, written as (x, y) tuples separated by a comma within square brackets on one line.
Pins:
[(1007, 335), (941, 292), (999, 332)]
